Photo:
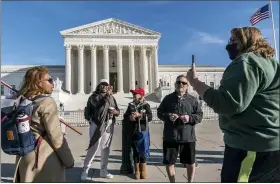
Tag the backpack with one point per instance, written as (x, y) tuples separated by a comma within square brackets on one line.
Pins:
[(87, 110), (16, 135)]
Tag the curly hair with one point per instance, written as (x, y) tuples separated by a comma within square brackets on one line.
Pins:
[(30, 84), (251, 40)]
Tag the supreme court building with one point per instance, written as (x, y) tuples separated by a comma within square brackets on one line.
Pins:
[(125, 54)]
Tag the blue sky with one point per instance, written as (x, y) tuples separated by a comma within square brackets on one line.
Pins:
[(30, 30)]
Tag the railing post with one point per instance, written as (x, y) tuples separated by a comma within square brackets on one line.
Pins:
[(127, 166)]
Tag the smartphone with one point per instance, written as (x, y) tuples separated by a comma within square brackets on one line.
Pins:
[(193, 59)]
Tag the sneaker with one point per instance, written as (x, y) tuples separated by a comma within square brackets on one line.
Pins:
[(84, 175), (105, 174)]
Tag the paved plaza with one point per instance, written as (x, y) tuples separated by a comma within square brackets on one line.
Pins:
[(209, 154)]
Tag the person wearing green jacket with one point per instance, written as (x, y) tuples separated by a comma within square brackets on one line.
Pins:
[(247, 102)]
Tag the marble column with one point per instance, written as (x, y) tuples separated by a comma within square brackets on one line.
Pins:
[(106, 74), (144, 66), (131, 67), (81, 68), (155, 64), (150, 67), (120, 68), (206, 76), (68, 67), (93, 67)]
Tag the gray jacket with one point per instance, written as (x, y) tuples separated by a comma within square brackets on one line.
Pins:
[(179, 132)]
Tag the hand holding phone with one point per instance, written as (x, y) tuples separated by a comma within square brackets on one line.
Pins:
[(191, 74), (192, 60)]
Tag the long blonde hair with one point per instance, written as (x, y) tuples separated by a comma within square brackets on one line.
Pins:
[(30, 84), (142, 100), (251, 40)]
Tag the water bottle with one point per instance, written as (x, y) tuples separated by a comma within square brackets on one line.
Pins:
[(23, 123)]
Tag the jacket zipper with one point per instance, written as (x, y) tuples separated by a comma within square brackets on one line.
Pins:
[(179, 114)]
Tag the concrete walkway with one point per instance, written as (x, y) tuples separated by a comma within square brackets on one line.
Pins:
[(209, 155)]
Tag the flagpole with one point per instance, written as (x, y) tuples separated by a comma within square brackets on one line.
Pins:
[(273, 29)]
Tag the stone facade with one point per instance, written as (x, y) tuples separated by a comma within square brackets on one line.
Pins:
[(123, 53), (13, 75)]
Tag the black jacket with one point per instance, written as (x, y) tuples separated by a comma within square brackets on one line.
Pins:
[(148, 115), (94, 107), (179, 132)]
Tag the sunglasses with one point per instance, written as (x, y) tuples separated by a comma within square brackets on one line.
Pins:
[(50, 80), (231, 41), (104, 84), (181, 82)]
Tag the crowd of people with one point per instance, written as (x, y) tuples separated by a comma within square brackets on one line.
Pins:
[(247, 102)]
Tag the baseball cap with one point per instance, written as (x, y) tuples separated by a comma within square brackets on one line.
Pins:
[(139, 91), (104, 81)]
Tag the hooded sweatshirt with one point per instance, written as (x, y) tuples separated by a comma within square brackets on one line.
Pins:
[(247, 102)]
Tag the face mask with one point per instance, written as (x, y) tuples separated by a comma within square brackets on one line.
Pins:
[(232, 50)]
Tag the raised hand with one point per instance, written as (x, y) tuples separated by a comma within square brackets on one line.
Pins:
[(191, 74)]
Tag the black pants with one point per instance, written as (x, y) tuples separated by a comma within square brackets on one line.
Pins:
[(248, 166), (136, 157)]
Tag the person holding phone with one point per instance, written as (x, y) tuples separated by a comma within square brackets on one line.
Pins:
[(180, 113), (247, 102)]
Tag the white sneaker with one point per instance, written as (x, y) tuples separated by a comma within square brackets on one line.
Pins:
[(105, 174), (84, 175)]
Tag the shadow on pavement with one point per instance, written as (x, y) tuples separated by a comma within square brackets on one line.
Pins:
[(72, 175), (198, 152), (7, 171), (157, 160), (115, 172)]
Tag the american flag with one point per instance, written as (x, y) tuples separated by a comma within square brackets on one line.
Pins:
[(261, 14)]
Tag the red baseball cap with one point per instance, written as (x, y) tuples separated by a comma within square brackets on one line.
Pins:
[(139, 91)]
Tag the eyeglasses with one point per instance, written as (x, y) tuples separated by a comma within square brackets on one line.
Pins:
[(181, 82)]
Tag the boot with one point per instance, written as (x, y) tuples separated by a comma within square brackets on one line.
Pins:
[(143, 172), (137, 171)]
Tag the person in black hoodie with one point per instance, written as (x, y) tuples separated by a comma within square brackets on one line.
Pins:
[(101, 112), (180, 113), (138, 109)]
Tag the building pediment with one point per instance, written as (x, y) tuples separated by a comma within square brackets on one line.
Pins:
[(108, 27)]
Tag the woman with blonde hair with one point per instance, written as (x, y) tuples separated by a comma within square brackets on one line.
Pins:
[(247, 102), (139, 114), (47, 164)]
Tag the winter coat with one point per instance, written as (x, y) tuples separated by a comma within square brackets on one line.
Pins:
[(178, 131), (99, 112), (147, 116), (54, 153)]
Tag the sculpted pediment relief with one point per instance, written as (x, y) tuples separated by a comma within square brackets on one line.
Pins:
[(111, 26)]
